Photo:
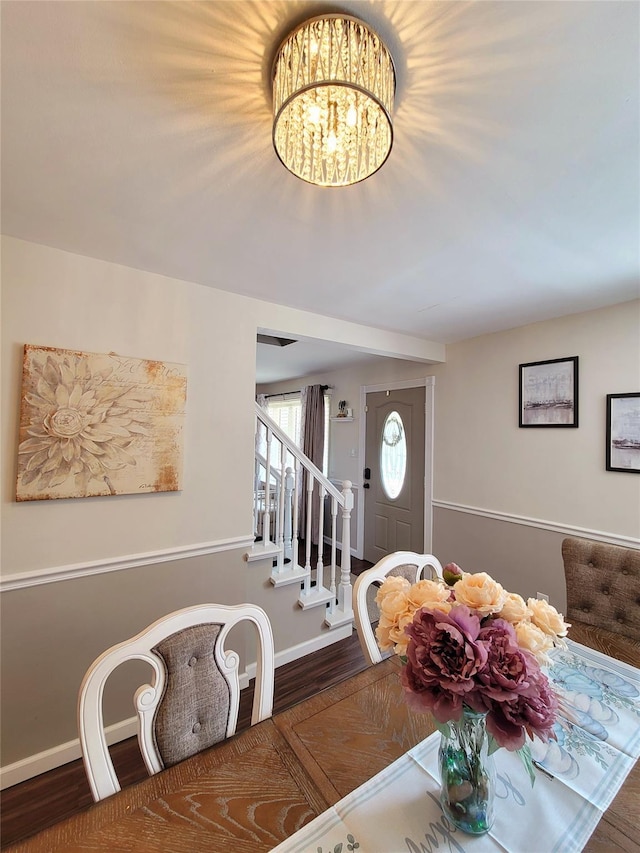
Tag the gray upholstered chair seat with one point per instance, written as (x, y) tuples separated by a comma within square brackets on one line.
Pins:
[(192, 702), (603, 585)]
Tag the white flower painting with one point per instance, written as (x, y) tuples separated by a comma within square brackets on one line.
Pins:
[(94, 424)]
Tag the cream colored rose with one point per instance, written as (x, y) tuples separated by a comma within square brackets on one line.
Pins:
[(546, 617), (480, 592), (390, 633), (429, 594), (514, 609), (534, 640), (398, 634), (383, 637), (390, 586), (394, 605)]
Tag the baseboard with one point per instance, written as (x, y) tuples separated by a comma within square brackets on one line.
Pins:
[(41, 762), (302, 649), (49, 759)]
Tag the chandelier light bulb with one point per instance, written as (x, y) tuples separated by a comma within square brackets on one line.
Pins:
[(333, 91)]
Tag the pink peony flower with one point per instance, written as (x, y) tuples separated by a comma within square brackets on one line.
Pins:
[(533, 713), (443, 704), (508, 671), (442, 658)]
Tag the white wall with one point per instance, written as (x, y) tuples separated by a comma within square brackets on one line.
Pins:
[(57, 299), (483, 459), (54, 298), (506, 497), (80, 575)]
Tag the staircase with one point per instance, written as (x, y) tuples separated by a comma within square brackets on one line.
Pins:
[(278, 501)]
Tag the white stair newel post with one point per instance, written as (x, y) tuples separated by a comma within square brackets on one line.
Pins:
[(320, 565), (280, 525), (334, 538), (288, 493), (344, 592), (307, 535), (296, 513), (256, 498), (266, 519)]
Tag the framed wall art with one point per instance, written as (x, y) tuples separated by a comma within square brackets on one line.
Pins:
[(623, 432), (98, 424), (548, 394)]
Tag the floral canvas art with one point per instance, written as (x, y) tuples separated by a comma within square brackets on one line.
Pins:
[(98, 424)]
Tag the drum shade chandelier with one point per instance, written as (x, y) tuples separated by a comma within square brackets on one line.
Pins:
[(333, 90)]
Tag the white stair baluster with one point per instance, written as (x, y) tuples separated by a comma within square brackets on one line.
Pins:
[(288, 509), (307, 536), (345, 591), (334, 538), (296, 513), (320, 564), (280, 525)]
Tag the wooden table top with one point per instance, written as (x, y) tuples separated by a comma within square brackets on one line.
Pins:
[(254, 790)]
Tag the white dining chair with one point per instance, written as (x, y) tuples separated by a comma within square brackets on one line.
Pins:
[(193, 700), (406, 563)]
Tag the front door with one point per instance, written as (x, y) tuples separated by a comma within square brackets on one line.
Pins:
[(394, 474)]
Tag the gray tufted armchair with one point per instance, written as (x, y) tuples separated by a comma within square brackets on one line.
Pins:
[(603, 586)]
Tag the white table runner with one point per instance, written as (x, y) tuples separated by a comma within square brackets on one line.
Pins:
[(398, 810)]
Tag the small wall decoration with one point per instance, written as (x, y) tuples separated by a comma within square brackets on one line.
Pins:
[(93, 424), (623, 432), (549, 393)]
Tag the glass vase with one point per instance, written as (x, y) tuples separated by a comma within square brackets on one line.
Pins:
[(467, 774)]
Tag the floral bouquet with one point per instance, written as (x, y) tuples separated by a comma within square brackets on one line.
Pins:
[(473, 654)]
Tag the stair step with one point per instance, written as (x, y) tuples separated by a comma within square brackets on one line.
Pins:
[(292, 575), (338, 619), (316, 598)]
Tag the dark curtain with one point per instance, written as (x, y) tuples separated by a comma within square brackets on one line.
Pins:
[(313, 447)]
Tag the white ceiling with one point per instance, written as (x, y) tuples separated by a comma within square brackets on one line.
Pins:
[(140, 133), (303, 358)]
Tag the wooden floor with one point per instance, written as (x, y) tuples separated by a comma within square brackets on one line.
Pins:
[(38, 803)]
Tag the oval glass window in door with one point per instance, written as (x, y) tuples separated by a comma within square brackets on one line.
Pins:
[(393, 455)]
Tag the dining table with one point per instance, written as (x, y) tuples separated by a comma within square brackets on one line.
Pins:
[(337, 771)]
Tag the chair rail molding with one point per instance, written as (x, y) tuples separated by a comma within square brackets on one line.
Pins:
[(37, 577), (542, 524)]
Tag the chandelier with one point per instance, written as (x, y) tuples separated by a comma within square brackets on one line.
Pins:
[(333, 89)]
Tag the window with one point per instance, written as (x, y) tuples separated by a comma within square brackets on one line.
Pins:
[(286, 411), (393, 455)]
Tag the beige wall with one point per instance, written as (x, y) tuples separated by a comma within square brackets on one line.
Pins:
[(54, 298), (52, 632), (484, 459), (547, 483), (57, 299)]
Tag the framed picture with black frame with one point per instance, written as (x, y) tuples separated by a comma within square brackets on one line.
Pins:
[(548, 394), (623, 432)]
